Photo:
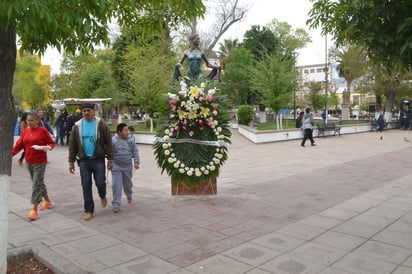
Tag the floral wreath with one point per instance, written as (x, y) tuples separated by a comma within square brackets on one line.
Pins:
[(193, 143)]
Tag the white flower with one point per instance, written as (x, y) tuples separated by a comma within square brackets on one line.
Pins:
[(206, 172), (167, 152), (212, 168), (189, 173), (171, 160), (166, 137), (165, 146), (210, 92), (181, 170), (176, 165), (198, 173)]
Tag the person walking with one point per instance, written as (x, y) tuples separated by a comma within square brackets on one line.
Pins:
[(90, 143), (36, 141), (59, 124), (298, 123), (307, 126), (126, 156), (44, 122)]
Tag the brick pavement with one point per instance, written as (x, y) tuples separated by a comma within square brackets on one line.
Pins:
[(343, 206)]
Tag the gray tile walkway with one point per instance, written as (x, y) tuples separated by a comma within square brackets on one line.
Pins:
[(343, 206)]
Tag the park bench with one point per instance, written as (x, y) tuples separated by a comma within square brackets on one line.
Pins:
[(327, 127)]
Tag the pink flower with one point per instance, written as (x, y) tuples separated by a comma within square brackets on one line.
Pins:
[(200, 122), (191, 133), (214, 112), (176, 128), (210, 98), (210, 124), (214, 105), (184, 123)]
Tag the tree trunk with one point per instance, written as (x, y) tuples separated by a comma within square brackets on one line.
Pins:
[(390, 99), (7, 124)]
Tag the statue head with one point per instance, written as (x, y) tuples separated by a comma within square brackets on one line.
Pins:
[(194, 40)]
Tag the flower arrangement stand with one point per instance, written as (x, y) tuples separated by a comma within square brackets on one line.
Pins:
[(203, 188)]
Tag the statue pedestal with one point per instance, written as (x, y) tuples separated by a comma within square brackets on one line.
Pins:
[(345, 112)]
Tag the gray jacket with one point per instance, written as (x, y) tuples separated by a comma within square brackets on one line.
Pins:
[(307, 121), (125, 150)]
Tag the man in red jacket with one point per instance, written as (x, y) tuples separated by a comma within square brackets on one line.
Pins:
[(36, 141)]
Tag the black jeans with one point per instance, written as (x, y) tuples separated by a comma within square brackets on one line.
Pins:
[(307, 134)]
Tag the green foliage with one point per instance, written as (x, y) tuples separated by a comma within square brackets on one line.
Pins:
[(236, 78), (261, 41), (315, 98), (245, 114), (147, 74), (25, 87), (383, 28), (276, 80)]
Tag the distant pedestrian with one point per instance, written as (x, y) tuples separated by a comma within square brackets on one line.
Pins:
[(307, 125), (381, 122), (44, 122), (126, 156), (90, 143), (36, 141), (298, 122)]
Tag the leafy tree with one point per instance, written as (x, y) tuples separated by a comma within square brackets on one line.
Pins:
[(314, 98), (261, 41), (236, 79), (352, 64), (26, 89), (149, 75), (72, 25), (276, 80), (383, 28), (290, 40), (225, 49), (333, 99)]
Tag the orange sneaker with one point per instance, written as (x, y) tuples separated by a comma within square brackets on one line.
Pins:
[(45, 204), (32, 214)]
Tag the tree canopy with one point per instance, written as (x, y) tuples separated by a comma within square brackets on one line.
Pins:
[(383, 28)]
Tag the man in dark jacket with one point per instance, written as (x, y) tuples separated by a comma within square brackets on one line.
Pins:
[(90, 143)]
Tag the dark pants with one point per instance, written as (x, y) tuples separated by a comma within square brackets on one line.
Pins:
[(98, 169), (307, 134)]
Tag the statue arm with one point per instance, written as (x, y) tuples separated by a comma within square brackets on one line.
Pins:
[(207, 62)]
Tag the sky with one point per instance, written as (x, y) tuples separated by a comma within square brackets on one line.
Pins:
[(261, 12)]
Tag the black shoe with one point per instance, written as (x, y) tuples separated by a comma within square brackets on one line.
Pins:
[(302, 145), (313, 144)]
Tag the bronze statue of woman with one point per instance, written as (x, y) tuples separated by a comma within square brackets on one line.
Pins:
[(194, 56)]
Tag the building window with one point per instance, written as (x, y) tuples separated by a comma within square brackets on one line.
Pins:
[(306, 71), (319, 70), (312, 70)]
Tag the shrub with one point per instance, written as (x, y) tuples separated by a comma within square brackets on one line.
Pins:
[(245, 114)]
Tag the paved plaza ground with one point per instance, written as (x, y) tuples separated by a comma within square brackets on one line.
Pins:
[(343, 206)]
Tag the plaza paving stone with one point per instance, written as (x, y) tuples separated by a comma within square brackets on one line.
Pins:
[(343, 206)]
